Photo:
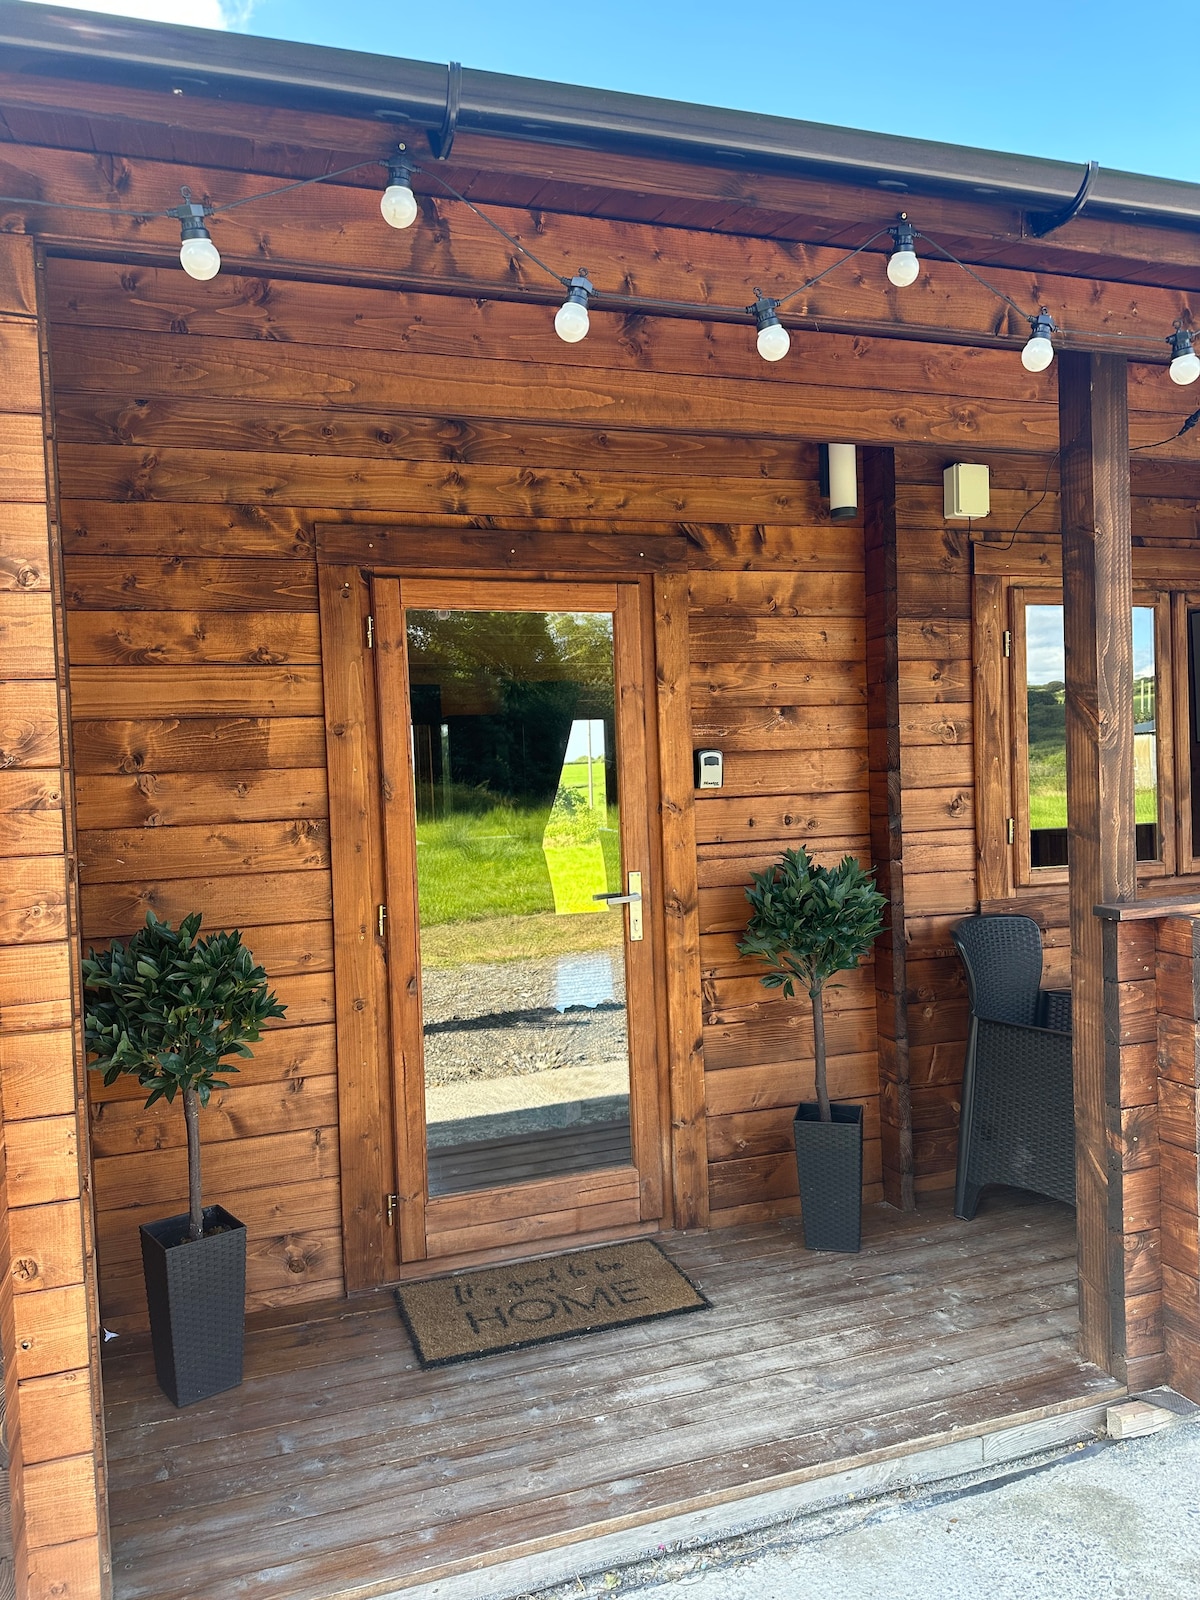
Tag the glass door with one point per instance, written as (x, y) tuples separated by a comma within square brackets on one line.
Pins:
[(517, 853)]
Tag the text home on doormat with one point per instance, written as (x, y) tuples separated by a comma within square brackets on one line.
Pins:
[(508, 1308)]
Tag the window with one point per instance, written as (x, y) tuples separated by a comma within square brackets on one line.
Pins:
[(1020, 719), (1037, 700)]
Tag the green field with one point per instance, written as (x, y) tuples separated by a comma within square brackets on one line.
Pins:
[(1048, 790), (1048, 754), (489, 860)]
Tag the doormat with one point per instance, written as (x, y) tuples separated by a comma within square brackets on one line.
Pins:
[(494, 1309)]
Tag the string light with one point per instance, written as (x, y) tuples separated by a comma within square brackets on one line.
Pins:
[(571, 318), (398, 203), (1185, 363), (903, 266), (200, 259), (1039, 351), (198, 255), (774, 341)]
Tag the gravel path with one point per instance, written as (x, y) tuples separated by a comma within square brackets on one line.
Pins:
[(512, 1018)]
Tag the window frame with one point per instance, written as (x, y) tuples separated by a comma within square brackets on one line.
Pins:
[(1002, 755), (1182, 602)]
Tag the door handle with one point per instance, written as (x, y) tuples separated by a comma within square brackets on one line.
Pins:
[(632, 899)]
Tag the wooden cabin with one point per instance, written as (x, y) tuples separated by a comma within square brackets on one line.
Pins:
[(219, 503)]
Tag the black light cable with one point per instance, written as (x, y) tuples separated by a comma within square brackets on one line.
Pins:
[(200, 259), (1188, 424)]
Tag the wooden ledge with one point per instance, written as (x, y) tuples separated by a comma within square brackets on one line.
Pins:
[(445, 551), (1149, 910)]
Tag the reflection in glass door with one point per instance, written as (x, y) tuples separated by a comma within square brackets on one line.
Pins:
[(521, 894)]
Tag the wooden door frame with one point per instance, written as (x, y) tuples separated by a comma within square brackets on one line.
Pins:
[(348, 557)]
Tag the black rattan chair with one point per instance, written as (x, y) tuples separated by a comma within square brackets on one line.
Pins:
[(1018, 1104)]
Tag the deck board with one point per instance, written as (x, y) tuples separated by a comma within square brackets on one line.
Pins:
[(339, 1466)]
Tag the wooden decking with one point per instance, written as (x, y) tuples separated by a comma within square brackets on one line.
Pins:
[(580, 1147), (339, 1468)]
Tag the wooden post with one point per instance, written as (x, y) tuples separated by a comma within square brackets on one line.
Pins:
[(1098, 630), (887, 836)]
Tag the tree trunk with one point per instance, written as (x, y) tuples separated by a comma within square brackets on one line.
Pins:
[(819, 1050), (191, 1115)]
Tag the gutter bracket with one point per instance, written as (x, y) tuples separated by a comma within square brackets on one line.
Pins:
[(1040, 223), (440, 143)]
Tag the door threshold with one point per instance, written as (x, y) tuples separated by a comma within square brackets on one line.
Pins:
[(957, 1452)]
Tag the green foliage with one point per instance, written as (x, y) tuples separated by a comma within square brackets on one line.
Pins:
[(809, 922), (170, 1008), (1047, 714)]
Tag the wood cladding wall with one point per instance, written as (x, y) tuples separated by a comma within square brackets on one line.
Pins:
[(188, 516), (204, 430), (778, 674), (47, 1268)]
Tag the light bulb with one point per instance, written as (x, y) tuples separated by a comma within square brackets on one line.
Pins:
[(1185, 366), (903, 267), (571, 318), (199, 257), (571, 322), (1039, 351), (774, 341), (399, 205)]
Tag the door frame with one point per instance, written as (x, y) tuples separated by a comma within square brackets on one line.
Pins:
[(614, 1197), (349, 557)]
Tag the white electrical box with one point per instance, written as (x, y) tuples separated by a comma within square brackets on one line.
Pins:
[(967, 490), (709, 769)]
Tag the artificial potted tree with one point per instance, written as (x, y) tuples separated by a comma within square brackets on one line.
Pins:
[(170, 1008), (808, 923)]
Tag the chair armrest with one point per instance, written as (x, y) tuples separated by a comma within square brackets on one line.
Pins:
[(1034, 1030), (1054, 1010)]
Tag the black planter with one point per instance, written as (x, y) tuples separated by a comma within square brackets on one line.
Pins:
[(196, 1291), (829, 1165)]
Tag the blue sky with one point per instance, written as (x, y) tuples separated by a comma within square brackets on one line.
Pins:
[(1045, 652), (1077, 81)]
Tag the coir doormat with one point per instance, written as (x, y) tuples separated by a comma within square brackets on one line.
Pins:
[(493, 1309)]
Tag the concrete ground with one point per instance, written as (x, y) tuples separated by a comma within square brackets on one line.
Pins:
[(1102, 1521)]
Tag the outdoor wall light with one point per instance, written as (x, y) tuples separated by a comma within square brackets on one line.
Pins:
[(839, 479), (398, 203), (1039, 352), (571, 318), (903, 266), (774, 341), (198, 255), (1185, 365)]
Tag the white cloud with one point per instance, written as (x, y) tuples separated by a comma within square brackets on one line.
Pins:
[(190, 13), (1045, 653)]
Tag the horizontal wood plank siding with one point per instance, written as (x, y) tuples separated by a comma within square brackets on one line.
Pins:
[(204, 438), (51, 1439), (778, 668), (937, 804), (200, 785)]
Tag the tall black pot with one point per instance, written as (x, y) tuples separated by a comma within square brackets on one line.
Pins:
[(196, 1291), (829, 1166)]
